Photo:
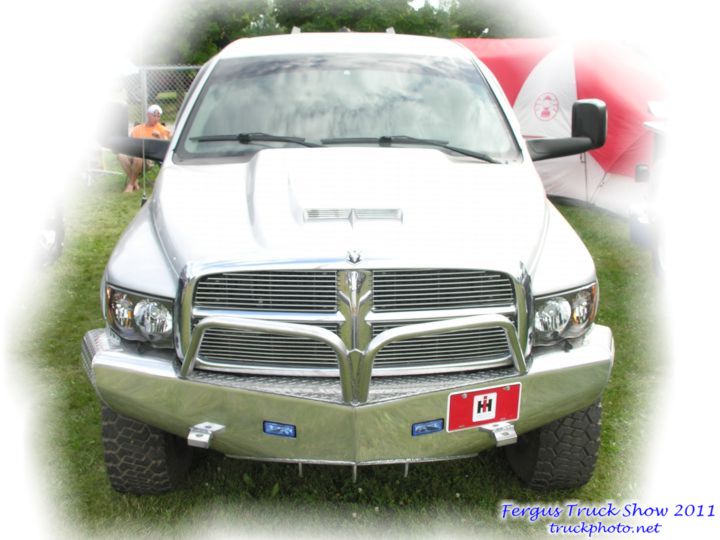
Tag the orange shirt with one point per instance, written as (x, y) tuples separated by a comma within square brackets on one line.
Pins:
[(143, 131)]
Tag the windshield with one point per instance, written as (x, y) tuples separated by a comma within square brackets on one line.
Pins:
[(326, 98)]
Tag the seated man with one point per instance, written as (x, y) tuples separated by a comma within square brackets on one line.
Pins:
[(152, 128)]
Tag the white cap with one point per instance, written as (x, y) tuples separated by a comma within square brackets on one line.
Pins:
[(152, 109)]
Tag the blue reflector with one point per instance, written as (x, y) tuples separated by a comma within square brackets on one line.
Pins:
[(280, 430), (425, 428)]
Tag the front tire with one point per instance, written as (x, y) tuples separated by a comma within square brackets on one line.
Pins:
[(142, 459), (561, 454)]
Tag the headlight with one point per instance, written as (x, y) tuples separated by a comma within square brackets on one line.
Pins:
[(140, 318), (565, 315)]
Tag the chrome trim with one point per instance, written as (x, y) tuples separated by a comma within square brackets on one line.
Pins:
[(145, 385), (355, 302), (429, 289), (355, 365), (300, 318), (525, 309), (262, 353), (328, 389), (193, 272), (401, 387), (504, 433), (458, 351), (200, 435), (355, 294), (435, 328), (351, 463), (414, 316), (94, 341), (382, 371), (355, 316), (353, 256), (302, 291), (272, 327)]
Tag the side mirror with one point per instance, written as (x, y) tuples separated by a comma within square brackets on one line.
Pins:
[(589, 119), (113, 134), (589, 130)]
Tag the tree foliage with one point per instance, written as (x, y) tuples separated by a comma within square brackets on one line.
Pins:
[(195, 30), (501, 18), (358, 16)]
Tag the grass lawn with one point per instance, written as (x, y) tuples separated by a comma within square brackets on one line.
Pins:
[(458, 498)]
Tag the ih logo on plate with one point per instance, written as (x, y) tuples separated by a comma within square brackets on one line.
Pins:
[(484, 406), (474, 408)]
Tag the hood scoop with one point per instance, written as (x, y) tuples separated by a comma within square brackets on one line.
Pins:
[(352, 215)]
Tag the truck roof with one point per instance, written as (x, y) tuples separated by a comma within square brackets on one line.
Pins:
[(344, 42)]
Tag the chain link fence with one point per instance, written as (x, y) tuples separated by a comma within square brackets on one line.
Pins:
[(164, 85)]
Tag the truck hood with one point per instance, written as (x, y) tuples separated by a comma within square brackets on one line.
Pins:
[(312, 206)]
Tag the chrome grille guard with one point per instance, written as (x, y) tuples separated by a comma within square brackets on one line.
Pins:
[(355, 345), (356, 366)]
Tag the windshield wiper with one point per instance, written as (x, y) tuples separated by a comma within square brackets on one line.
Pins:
[(388, 140), (249, 138)]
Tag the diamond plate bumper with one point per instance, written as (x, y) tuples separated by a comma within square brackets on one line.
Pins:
[(146, 385)]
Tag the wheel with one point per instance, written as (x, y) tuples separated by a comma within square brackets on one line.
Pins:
[(140, 458), (561, 454)]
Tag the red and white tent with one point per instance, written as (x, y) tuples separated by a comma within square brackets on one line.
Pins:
[(542, 78)]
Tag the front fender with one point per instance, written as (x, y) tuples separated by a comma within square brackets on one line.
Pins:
[(564, 262), (138, 262)]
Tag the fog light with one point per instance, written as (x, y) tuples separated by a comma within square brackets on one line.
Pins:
[(279, 430), (426, 428)]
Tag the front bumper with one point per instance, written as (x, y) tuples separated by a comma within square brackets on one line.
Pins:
[(147, 386)]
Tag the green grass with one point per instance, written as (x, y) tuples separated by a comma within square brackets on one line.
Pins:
[(458, 498)]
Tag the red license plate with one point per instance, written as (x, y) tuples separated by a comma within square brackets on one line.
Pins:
[(473, 408)]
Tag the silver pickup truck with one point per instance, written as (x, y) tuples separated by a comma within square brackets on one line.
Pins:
[(349, 258)]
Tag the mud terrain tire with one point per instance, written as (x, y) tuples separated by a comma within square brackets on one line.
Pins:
[(142, 459), (561, 454)]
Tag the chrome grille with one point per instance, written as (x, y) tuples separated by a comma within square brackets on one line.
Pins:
[(284, 291), (312, 297), (408, 290), (240, 348), (487, 347)]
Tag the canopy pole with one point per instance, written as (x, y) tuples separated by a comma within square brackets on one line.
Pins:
[(583, 158)]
